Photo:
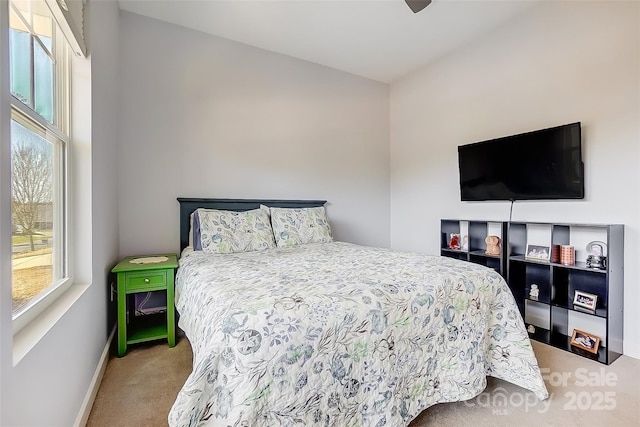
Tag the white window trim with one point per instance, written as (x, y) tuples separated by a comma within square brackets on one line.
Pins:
[(40, 303), (27, 338), (23, 109), (43, 300), (37, 307)]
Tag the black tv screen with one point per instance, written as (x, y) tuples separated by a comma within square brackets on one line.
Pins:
[(540, 165)]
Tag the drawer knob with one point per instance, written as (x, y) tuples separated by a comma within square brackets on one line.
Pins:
[(146, 280)]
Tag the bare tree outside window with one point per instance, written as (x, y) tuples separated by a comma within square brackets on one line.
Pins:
[(32, 188), (32, 214)]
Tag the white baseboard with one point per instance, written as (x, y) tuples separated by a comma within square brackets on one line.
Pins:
[(87, 403), (631, 350)]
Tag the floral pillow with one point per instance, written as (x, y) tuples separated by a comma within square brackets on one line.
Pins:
[(223, 232), (298, 226)]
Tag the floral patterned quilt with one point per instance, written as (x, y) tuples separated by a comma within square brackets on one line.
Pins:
[(335, 334)]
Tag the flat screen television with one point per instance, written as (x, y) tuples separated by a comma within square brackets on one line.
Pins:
[(540, 165)]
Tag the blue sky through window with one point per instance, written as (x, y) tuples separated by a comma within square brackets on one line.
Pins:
[(20, 42)]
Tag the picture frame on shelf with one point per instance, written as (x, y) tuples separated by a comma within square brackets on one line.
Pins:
[(585, 300), (585, 341), (538, 253)]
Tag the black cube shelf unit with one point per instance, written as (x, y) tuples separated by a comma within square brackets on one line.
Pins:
[(551, 317), (477, 231)]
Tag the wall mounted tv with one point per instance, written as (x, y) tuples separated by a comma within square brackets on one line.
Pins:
[(540, 165)]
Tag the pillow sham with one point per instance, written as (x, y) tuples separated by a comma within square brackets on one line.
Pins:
[(195, 227), (191, 229), (299, 226), (224, 232)]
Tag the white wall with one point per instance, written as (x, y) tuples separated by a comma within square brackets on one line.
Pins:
[(560, 63), (104, 21), (48, 386), (203, 116), (5, 208)]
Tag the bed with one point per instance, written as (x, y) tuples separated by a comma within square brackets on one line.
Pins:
[(335, 334)]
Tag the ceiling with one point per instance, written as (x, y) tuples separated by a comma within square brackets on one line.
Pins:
[(378, 39)]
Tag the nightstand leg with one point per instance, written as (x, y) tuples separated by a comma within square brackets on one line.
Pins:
[(171, 310), (122, 317)]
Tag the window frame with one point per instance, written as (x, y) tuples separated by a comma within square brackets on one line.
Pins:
[(58, 134)]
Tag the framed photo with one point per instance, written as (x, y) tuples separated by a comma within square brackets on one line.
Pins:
[(585, 341), (540, 253), (583, 299)]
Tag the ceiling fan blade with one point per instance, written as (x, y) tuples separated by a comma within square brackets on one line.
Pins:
[(417, 5)]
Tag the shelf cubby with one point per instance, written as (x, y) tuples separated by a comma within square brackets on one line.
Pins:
[(476, 232)]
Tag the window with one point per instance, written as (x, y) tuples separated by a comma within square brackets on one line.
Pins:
[(39, 75)]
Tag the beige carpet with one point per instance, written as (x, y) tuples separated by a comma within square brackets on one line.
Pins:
[(139, 389)]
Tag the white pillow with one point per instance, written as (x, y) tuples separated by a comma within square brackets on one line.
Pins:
[(228, 231), (298, 226)]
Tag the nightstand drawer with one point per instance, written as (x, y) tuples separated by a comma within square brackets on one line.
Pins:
[(151, 280)]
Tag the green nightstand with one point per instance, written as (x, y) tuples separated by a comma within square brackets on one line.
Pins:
[(145, 273)]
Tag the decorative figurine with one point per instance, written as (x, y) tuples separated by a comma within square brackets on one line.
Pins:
[(465, 243), (493, 245), (454, 241), (534, 292), (596, 257)]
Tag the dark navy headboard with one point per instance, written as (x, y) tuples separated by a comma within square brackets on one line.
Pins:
[(188, 205)]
